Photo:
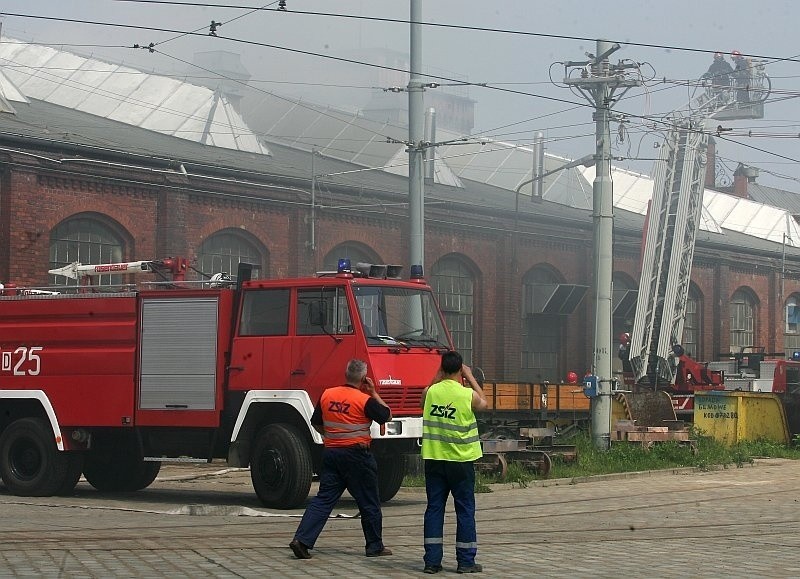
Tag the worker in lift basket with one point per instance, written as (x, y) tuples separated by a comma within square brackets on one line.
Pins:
[(741, 76), (719, 73), (343, 416)]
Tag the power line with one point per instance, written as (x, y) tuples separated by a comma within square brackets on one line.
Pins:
[(151, 48), (174, 75), (458, 27), (309, 53), (215, 25)]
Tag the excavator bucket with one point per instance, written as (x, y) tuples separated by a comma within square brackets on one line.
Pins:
[(645, 408)]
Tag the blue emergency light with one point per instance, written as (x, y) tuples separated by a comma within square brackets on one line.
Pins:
[(343, 266)]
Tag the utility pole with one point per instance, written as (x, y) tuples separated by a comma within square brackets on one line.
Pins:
[(312, 236), (416, 150), (598, 81)]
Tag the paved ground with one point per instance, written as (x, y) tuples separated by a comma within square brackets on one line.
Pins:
[(738, 522)]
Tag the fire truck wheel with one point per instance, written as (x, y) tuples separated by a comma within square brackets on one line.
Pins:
[(119, 473), (280, 467), (391, 470), (30, 463), (73, 475)]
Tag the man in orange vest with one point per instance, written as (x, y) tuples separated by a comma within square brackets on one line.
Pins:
[(343, 416)]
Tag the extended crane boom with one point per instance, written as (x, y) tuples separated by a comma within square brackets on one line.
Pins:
[(673, 220)]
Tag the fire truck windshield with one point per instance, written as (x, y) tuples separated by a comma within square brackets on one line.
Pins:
[(394, 315)]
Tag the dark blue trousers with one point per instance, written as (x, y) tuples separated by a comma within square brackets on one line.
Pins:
[(443, 477), (353, 469)]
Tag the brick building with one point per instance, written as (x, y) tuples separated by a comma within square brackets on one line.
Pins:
[(512, 277)]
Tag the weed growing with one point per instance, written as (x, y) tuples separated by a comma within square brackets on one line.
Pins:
[(706, 453)]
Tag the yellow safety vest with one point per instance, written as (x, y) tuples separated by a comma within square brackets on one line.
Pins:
[(449, 428)]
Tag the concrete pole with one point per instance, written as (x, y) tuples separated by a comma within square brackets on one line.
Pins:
[(603, 219), (416, 177)]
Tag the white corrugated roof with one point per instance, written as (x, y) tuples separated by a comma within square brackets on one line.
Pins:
[(633, 191), (9, 91), (124, 94)]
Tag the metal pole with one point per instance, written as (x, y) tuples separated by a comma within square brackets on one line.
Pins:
[(603, 219), (783, 269), (312, 240), (416, 177), (430, 152), (538, 165)]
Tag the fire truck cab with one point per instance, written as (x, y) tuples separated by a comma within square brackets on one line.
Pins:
[(110, 384)]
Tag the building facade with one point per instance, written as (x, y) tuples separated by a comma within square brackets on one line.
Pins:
[(514, 282)]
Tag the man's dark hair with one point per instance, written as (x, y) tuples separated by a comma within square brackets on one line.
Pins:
[(451, 362)]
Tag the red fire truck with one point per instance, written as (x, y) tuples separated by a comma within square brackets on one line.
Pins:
[(111, 382)]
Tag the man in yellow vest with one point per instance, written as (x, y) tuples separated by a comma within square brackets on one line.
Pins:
[(343, 416), (450, 446)]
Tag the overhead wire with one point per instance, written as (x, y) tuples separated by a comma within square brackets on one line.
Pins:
[(217, 23), (485, 85), (462, 27)]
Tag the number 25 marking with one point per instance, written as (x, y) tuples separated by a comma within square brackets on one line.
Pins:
[(30, 355)]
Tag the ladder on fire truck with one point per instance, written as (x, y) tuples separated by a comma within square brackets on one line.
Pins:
[(673, 221)]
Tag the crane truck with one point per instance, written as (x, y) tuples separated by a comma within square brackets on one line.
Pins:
[(109, 382), (655, 354)]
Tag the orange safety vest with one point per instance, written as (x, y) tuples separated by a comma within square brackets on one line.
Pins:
[(343, 417)]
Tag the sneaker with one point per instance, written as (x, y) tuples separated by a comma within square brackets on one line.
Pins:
[(382, 553), (476, 568), (432, 569), (300, 551)]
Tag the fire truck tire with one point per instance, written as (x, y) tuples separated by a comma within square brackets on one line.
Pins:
[(74, 470), (391, 471), (30, 463), (119, 473), (281, 467)]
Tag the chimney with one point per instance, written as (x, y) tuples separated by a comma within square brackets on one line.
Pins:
[(711, 163), (232, 74), (743, 176)]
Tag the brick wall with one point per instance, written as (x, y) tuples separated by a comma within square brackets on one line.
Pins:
[(160, 218)]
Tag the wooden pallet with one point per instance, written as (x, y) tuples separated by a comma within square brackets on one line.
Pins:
[(626, 430)]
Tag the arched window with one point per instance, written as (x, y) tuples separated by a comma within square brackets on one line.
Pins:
[(791, 336), (692, 324), (742, 310), (87, 240), (454, 286), (355, 252), (541, 332), (225, 250)]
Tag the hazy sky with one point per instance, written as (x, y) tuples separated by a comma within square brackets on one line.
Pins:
[(516, 62)]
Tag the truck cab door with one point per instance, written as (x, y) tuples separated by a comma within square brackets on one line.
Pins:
[(324, 339), (261, 352)]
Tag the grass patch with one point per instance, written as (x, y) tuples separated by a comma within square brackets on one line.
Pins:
[(631, 457)]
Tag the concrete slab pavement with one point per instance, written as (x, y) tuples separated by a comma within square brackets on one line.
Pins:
[(206, 521)]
